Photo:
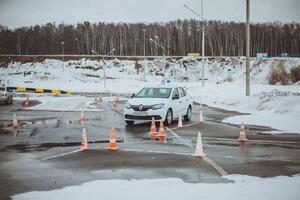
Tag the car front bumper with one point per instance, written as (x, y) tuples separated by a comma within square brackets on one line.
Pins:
[(3, 98), (130, 114)]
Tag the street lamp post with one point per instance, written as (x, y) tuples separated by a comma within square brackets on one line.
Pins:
[(144, 30), (62, 54), (156, 42), (156, 50), (104, 66), (62, 50), (247, 47), (76, 45), (203, 36)]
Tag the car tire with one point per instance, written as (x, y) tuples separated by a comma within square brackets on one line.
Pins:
[(169, 118), (188, 115), (129, 122), (7, 101)]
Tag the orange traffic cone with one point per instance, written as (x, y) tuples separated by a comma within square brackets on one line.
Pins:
[(26, 102), (112, 140), (152, 129), (161, 133), (82, 116), (84, 144), (117, 98), (15, 122), (115, 104), (201, 120), (242, 137), (180, 122), (199, 147), (98, 100)]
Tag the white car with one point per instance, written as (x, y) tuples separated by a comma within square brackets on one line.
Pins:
[(6, 95), (165, 102)]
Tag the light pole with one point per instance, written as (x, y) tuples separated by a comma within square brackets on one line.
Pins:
[(144, 30), (62, 50), (156, 50), (203, 36), (248, 48), (62, 54), (104, 66), (156, 42), (76, 45)]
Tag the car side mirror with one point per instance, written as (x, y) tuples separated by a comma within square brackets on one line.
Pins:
[(133, 95), (176, 96)]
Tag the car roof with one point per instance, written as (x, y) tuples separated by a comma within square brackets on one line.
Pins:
[(161, 86)]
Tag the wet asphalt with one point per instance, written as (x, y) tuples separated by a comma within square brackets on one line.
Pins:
[(43, 154)]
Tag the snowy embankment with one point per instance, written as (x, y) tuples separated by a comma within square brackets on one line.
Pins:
[(276, 106), (243, 187)]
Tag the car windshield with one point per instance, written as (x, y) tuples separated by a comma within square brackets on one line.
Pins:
[(154, 93)]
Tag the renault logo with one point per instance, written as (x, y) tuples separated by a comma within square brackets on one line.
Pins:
[(141, 107)]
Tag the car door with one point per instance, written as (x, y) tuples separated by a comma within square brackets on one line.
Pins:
[(176, 103), (184, 100)]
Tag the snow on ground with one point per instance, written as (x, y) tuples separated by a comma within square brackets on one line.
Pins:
[(269, 105), (241, 187), (72, 103)]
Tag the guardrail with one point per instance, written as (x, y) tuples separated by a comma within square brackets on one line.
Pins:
[(39, 90)]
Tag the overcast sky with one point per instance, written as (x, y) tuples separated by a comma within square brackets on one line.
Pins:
[(16, 13)]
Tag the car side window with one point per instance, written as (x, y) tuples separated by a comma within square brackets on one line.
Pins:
[(175, 92), (182, 92)]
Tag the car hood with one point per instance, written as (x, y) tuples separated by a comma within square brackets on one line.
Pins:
[(147, 101)]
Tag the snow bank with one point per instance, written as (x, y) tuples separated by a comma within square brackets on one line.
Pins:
[(275, 106), (243, 187), (87, 75), (277, 109)]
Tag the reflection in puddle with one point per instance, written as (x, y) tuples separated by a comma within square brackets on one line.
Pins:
[(243, 145), (41, 122)]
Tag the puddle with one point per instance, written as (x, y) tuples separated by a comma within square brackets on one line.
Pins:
[(24, 148), (41, 122), (4, 131), (252, 144)]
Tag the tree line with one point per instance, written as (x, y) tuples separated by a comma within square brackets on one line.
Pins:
[(178, 38)]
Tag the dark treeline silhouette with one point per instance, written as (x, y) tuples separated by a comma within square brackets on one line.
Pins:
[(178, 38)]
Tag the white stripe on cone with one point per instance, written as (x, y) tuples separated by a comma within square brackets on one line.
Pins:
[(15, 121), (242, 136)]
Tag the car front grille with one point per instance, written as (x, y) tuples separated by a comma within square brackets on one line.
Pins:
[(136, 107)]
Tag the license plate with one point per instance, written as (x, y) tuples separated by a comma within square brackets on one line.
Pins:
[(140, 113)]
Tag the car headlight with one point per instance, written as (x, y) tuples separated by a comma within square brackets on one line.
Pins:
[(127, 106), (158, 106)]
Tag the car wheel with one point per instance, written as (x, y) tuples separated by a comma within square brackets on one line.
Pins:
[(188, 115), (7, 101), (169, 117), (129, 123), (11, 100)]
